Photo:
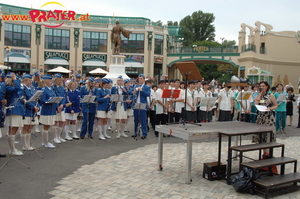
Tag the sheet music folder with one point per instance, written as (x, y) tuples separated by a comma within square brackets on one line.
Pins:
[(116, 98), (88, 99), (36, 96), (170, 93), (140, 106), (208, 101), (54, 100)]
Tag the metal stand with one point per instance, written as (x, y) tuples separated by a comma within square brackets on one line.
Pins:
[(12, 158), (85, 138)]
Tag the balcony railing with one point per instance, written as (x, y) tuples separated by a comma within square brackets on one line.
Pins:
[(262, 50), (202, 49)]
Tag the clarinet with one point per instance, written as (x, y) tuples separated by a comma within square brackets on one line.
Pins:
[(24, 106)]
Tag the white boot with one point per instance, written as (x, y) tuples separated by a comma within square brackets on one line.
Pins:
[(73, 127), (45, 140), (24, 142), (55, 138), (59, 131), (104, 131), (37, 128), (122, 130), (11, 142), (67, 134), (79, 122), (28, 141), (101, 137), (118, 129)]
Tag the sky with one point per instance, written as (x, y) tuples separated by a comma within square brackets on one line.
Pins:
[(229, 14)]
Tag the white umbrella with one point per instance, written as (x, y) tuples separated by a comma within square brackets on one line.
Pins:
[(2, 67), (98, 71), (59, 69)]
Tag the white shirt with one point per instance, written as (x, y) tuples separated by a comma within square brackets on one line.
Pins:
[(298, 101), (158, 96), (225, 102), (246, 103), (152, 96), (201, 95), (138, 100), (190, 97), (178, 105)]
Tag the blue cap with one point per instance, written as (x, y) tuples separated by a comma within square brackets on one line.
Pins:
[(91, 79), (36, 74), (106, 81), (58, 75), (82, 82), (120, 77), (2, 75), (98, 80), (8, 75), (141, 75), (110, 81), (27, 76), (77, 75), (18, 76), (126, 81), (47, 77)]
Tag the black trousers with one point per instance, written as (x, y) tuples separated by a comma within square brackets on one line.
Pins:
[(245, 117), (151, 115), (175, 117), (160, 119)]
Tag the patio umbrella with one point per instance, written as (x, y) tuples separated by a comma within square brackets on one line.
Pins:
[(2, 67), (98, 71), (59, 69)]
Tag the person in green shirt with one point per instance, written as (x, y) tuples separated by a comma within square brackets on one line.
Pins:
[(280, 112)]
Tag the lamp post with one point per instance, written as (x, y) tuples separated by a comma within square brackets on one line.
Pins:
[(7, 49), (222, 38)]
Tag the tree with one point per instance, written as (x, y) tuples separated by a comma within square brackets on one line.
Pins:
[(159, 23), (198, 27), (228, 43), (206, 43), (171, 23)]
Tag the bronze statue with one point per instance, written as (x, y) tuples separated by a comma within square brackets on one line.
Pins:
[(116, 37)]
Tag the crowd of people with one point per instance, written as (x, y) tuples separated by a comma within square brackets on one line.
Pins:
[(86, 105)]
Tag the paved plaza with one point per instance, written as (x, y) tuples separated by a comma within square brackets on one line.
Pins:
[(124, 168)]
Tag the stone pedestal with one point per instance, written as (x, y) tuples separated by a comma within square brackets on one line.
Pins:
[(116, 68)]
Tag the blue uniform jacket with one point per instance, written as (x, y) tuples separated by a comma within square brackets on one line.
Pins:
[(13, 93), (29, 92), (129, 97), (47, 108), (2, 94), (103, 104), (143, 94), (91, 107), (60, 92), (74, 98), (114, 90)]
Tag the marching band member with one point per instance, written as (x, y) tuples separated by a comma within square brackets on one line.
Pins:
[(72, 109), (141, 91), (97, 87), (88, 109), (80, 116), (120, 108), (103, 99), (109, 127), (60, 110), (15, 110), (2, 106), (48, 110), (129, 102), (38, 85), (205, 112), (78, 80), (30, 113)]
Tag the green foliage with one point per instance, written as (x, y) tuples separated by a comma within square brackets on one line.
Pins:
[(171, 23), (217, 71), (198, 27), (206, 43), (229, 43), (159, 23)]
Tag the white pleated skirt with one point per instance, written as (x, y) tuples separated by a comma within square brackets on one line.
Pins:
[(60, 117), (47, 119), (14, 121), (129, 112), (103, 114), (71, 116), (120, 113), (28, 121)]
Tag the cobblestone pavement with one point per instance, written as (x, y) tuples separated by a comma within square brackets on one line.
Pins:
[(134, 174)]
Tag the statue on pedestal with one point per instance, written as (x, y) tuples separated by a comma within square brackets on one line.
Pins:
[(116, 37)]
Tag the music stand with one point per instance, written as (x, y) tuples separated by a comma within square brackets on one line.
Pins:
[(116, 98), (189, 71), (139, 106), (88, 99)]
